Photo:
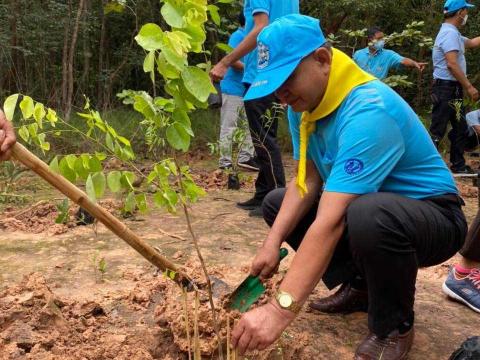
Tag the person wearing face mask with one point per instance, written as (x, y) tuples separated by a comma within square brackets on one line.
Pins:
[(450, 83), (377, 60), (371, 201)]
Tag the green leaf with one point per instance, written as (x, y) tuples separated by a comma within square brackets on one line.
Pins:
[(178, 137), (63, 215), (99, 183), (197, 83), (39, 114), (149, 62), (9, 106), (224, 47), (54, 165), (127, 179), (172, 199), (27, 107), (180, 116), (80, 169), (130, 203), (71, 159), (113, 181), (90, 188), (66, 171), (24, 133), (172, 15), (94, 164), (150, 37), (52, 117), (141, 201), (214, 14)]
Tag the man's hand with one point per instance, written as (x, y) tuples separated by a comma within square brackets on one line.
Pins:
[(260, 327), (266, 261), (472, 92), (420, 65), (7, 137), (218, 72)]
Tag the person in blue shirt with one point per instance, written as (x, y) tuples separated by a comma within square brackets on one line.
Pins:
[(450, 82), (377, 60), (232, 113), (261, 114), (371, 202)]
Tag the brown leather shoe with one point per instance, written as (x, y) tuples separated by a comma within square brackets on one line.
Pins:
[(394, 347), (346, 300)]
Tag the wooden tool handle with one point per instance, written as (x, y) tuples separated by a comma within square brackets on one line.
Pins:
[(23, 155)]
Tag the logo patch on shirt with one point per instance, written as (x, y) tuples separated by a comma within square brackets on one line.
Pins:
[(263, 55), (353, 166)]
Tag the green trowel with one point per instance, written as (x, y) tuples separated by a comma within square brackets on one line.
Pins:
[(249, 290)]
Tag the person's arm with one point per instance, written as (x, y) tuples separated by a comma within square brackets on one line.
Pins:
[(306, 270), (7, 137), (247, 45), (458, 73), (472, 43), (293, 209), (238, 65), (414, 64)]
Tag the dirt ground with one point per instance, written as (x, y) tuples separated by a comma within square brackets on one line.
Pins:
[(56, 304)]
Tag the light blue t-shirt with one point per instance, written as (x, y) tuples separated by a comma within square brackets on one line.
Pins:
[(274, 9), (374, 142), (473, 119), (448, 39), (232, 81), (378, 64)]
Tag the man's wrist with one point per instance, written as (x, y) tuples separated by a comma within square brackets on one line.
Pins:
[(288, 314)]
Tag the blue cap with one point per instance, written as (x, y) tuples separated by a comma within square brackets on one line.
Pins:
[(455, 5), (281, 46)]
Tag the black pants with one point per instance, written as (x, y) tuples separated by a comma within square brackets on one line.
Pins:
[(471, 249), (387, 238), (263, 122), (444, 95)]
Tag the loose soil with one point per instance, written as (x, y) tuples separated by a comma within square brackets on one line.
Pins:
[(56, 304)]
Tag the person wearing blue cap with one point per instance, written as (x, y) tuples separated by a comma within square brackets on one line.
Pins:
[(450, 82), (371, 202), (377, 60), (261, 115)]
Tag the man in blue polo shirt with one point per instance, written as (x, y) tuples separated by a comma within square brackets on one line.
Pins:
[(450, 82), (377, 60), (372, 200), (262, 118), (232, 114)]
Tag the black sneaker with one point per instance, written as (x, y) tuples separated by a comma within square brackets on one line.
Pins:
[(463, 170), (250, 204), (257, 212), (251, 164), (225, 167)]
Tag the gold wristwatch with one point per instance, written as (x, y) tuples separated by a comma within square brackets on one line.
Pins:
[(287, 302)]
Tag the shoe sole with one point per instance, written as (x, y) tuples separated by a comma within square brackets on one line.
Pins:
[(248, 208), (458, 298), (248, 167)]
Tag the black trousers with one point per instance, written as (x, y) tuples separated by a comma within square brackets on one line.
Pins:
[(471, 249), (387, 238), (444, 95), (263, 122)]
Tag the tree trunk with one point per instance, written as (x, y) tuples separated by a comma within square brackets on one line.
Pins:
[(66, 38), (71, 58), (101, 55)]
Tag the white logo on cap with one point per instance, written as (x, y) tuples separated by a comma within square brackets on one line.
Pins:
[(263, 55)]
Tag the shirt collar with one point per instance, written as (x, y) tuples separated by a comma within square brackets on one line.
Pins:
[(451, 26)]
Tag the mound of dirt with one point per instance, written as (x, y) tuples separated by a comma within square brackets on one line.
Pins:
[(148, 322), (40, 218)]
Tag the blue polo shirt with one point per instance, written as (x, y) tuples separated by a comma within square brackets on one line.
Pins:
[(274, 9), (448, 39), (232, 81), (378, 64), (374, 142)]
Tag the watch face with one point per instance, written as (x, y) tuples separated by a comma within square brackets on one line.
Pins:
[(285, 300)]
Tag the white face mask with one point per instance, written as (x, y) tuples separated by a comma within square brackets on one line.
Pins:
[(464, 20)]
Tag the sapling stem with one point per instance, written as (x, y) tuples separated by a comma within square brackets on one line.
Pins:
[(187, 323)]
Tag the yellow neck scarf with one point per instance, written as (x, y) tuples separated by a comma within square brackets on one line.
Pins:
[(344, 76)]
